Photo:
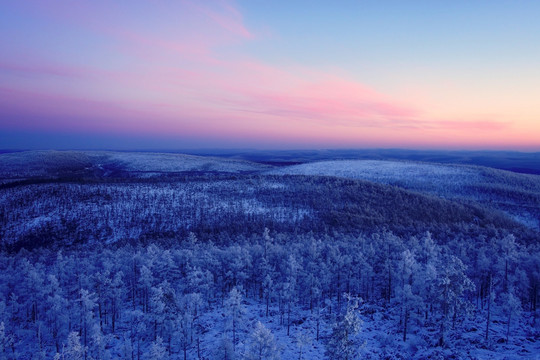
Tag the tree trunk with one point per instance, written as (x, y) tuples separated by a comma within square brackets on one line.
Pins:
[(405, 321), (488, 307), (508, 326)]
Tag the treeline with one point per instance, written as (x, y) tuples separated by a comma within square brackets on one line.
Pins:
[(140, 302)]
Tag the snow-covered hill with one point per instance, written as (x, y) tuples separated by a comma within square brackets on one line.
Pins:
[(26, 164), (516, 194), (421, 176), (159, 162)]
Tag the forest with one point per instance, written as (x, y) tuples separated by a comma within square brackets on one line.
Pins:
[(163, 256)]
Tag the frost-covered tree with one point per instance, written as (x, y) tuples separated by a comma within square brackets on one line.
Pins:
[(187, 322), (490, 301), (267, 242), (238, 263), (56, 313), (235, 314), (262, 344), (407, 297), (157, 309), (117, 297), (136, 320), (74, 350), (509, 254), (343, 343), (127, 348), (98, 344), (291, 270), (197, 280), (87, 304), (185, 331), (146, 280), (268, 290), (452, 285), (511, 306), (158, 350)]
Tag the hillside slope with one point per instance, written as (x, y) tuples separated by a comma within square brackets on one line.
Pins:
[(516, 194)]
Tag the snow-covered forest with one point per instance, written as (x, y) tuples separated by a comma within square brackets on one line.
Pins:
[(111, 256)]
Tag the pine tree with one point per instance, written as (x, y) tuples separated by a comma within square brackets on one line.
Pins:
[(236, 312), (56, 311), (145, 280), (88, 303), (262, 344), (343, 344), (74, 350), (511, 307), (157, 351), (137, 329)]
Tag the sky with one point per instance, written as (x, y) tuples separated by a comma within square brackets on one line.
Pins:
[(256, 74)]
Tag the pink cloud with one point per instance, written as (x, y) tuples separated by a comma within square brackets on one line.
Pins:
[(472, 124)]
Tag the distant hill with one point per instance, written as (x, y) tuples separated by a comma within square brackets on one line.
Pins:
[(521, 162), (516, 194), (52, 163)]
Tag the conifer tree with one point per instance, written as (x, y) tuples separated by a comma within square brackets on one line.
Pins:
[(343, 344), (262, 344)]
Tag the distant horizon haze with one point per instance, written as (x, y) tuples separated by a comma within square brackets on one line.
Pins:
[(17, 141)]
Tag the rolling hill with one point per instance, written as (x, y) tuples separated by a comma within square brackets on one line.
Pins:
[(515, 194)]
